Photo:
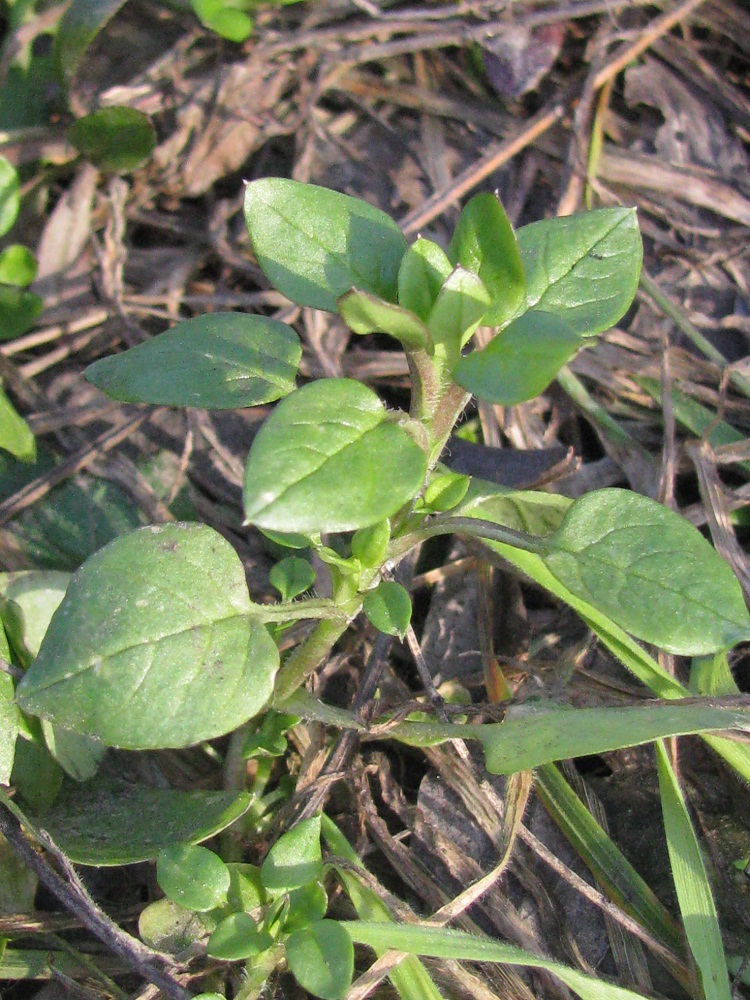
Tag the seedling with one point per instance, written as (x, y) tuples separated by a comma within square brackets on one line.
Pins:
[(157, 643)]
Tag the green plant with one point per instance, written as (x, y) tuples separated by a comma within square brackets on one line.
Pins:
[(156, 642)]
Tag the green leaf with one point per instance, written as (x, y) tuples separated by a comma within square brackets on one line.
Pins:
[(329, 459), (441, 942), (446, 491), (693, 888), (295, 859), (485, 244), (270, 740), (10, 195), (388, 607), (227, 21), (10, 718), (119, 139), (17, 266), (461, 304), (532, 737), (79, 756), (166, 926), (292, 577), (246, 893), (321, 959), (370, 545), (111, 821), (217, 361), (237, 937), (306, 905), (36, 595), (17, 887), (365, 313), (16, 436), (424, 268), (36, 775), (314, 244), (78, 27), (155, 644), (194, 877), (519, 363), (650, 571), (19, 310), (584, 268)]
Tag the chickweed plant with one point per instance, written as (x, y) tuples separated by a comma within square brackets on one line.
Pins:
[(156, 642)]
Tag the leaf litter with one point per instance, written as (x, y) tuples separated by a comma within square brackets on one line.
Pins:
[(556, 105)]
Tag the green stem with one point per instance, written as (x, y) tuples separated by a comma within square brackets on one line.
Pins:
[(447, 525), (292, 611), (308, 656)]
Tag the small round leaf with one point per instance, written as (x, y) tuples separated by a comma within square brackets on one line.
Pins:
[(388, 607), (17, 266), (115, 138), (192, 876), (321, 958)]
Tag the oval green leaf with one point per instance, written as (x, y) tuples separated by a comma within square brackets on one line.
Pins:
[(365, 313), (292, 577), (119, 139), (216, 361), (295, 859), (155, 644), (520, 362), (166, 926), (321, 959), (650, 571), (461, 304), (10, 195), (19, 310), (108, 822), (328, 459), (314, 244), (228, 22), (17, 266), (370, 545), (388, 608), (446, 491), (193, 877), (485, 244), (424, 268), (584, 268), (16, 436)]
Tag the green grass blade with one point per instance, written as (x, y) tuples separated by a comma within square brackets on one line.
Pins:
[(691, 883), (439, 942), (411, 979), (609, 866)]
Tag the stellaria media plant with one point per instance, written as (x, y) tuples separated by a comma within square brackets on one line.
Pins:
[(156, 642)]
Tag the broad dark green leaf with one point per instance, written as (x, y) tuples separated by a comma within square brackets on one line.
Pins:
[(19, 310), (584, 268), (295, 859), (216, 361), (17, 266), (79, 26), (111, 821), (329, 459), (365, 313), (650, 571), (119, 139), (321, 959), (16, 436), (388, 608), (314, 244), (192, 876), (155, 644), (424, 268), (10, 195), (519, 363), (460, 305), (484, 243)]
